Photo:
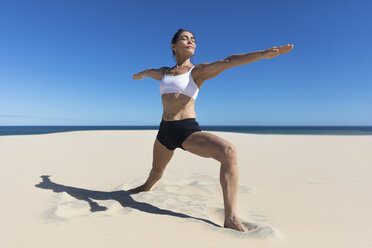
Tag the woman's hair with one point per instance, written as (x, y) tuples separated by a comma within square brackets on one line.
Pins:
[(175, 39)]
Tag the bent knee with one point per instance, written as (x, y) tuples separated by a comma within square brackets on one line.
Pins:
[(228, 153)]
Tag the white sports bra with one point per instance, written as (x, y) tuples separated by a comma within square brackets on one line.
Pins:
[(183, 84)]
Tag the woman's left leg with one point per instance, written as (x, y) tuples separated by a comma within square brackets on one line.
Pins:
[(211, 146)]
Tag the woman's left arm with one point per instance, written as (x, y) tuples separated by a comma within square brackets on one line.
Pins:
[(210, 70), (246, 58)]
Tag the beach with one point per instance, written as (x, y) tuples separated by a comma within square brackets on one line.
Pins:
[(69, 189)]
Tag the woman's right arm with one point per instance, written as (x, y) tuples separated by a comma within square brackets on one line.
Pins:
[(156, 74)]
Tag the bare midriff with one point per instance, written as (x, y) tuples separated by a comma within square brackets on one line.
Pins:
[(177, 106)]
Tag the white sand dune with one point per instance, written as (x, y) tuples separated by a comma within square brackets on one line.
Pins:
[(70, 190)]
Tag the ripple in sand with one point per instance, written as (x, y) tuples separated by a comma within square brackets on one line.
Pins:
[(196, 195)]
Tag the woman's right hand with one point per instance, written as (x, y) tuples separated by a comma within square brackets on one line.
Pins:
[(139, 75)]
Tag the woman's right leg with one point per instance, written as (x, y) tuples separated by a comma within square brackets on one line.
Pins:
[(161, 157)]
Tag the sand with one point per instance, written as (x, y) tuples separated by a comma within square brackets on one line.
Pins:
[(68, 189)]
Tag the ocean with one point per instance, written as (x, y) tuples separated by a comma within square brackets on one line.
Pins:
[(287, 130)]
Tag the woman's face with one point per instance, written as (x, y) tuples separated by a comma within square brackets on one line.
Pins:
[(185, 44)]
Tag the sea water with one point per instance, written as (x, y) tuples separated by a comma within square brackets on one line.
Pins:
[(288, 130)]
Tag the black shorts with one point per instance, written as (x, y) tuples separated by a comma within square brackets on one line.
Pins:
[(173, 133)]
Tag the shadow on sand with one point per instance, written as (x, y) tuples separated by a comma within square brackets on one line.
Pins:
[(121, 196)]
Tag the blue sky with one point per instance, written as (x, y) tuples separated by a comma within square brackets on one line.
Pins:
[(72, 62)]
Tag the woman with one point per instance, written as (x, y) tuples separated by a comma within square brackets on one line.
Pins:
[(179, 86)]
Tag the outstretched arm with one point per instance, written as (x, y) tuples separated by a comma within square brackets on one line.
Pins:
[(156, 74), (210, 70), (246, 58)]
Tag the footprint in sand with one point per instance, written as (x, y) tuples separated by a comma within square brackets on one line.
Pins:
[(263, 232), (256, 231)]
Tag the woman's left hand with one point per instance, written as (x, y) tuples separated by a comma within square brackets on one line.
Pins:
[(275, 51)]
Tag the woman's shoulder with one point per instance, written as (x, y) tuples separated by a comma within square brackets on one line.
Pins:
[(164, 69)]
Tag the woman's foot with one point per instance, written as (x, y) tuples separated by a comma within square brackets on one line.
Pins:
[(138, 189), (234, 223)]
